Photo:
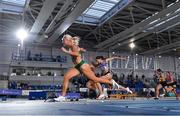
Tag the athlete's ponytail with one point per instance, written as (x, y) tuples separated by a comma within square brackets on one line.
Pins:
[(76, 40)]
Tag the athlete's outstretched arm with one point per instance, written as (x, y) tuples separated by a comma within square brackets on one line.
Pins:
[(82, 50), (74, 52)]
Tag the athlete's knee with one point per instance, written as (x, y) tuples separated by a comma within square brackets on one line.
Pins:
[(66, 77)]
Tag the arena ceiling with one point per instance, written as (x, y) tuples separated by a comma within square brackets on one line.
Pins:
[(153, 25)]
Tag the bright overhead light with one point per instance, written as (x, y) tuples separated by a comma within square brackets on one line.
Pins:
[(132, 45), (113, 52), (21, 34), (160, 56)]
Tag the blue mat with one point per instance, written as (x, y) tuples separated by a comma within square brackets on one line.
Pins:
[(92, 107)]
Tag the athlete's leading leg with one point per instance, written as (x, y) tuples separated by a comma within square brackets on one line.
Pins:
[(70, 74)]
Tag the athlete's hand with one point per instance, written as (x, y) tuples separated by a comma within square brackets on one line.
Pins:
[(122, 58), (83, 50), (64, 49)]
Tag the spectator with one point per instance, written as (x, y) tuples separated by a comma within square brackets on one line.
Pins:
[(143, 77), (147, 83)]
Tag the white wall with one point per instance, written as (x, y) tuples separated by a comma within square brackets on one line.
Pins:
[(5, 58), (4, 69), (6, 53)]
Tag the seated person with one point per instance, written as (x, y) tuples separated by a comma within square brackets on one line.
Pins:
[(166, 82), (171, 84)]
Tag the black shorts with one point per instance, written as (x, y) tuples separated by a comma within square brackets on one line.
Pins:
[(164, 83)]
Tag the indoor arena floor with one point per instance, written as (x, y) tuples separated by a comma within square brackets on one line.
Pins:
[(91, 107)]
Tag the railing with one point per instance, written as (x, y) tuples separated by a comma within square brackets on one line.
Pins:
[(39, 57), (134, 62), (2, 77)]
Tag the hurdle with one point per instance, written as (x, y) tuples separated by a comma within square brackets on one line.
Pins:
[(122, 96)]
